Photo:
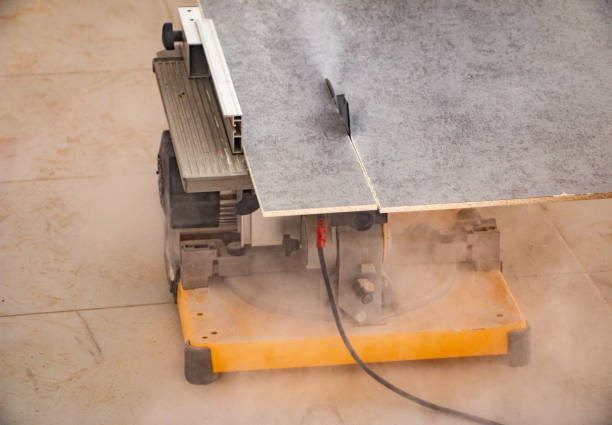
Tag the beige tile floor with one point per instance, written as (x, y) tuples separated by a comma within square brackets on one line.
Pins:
[(88, 332)]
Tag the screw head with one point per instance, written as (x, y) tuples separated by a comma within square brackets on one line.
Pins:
[(367, 298), (361, 316)]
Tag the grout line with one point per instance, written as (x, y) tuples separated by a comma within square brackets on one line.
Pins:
[(48, 179), (568, 246), (58, 73), (51, 179), (92, 337), (168, 10), (520, 276), (112, 307)]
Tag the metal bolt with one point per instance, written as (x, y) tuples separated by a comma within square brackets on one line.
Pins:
[(364, 289), (361, 316), (367, 298), (235, 248)]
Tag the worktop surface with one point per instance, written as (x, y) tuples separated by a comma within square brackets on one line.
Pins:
[(452, 104)]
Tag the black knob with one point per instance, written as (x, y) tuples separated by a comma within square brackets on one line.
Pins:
[(248, 204), (234, 248), (169, 36), (290, 245), (363, 220)]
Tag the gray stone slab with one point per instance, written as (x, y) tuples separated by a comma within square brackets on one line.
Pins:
[(451, 102), (300, 157)]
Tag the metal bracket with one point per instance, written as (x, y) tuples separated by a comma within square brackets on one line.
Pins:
[(360, 280), (197, 263), (204, 58), (193, 52)]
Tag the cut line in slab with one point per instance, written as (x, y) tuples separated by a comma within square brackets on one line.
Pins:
[(306, 168)]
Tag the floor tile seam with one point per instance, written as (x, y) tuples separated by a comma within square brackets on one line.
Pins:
[(571, 250), (85, 309), (75, 72), (65, 178), (608, 301), (168, 9), (508, 276), (530, 275)]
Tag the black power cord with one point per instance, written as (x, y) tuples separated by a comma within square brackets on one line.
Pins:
[(378, 378)]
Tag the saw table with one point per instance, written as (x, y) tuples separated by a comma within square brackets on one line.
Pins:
[(452, 104), (291, 119)]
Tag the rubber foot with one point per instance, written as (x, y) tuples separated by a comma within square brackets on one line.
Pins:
[(198, 365)]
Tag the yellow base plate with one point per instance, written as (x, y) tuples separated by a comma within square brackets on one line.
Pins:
[(471, 319)]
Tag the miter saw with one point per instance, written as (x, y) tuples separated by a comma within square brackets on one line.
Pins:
[(249, 288)]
